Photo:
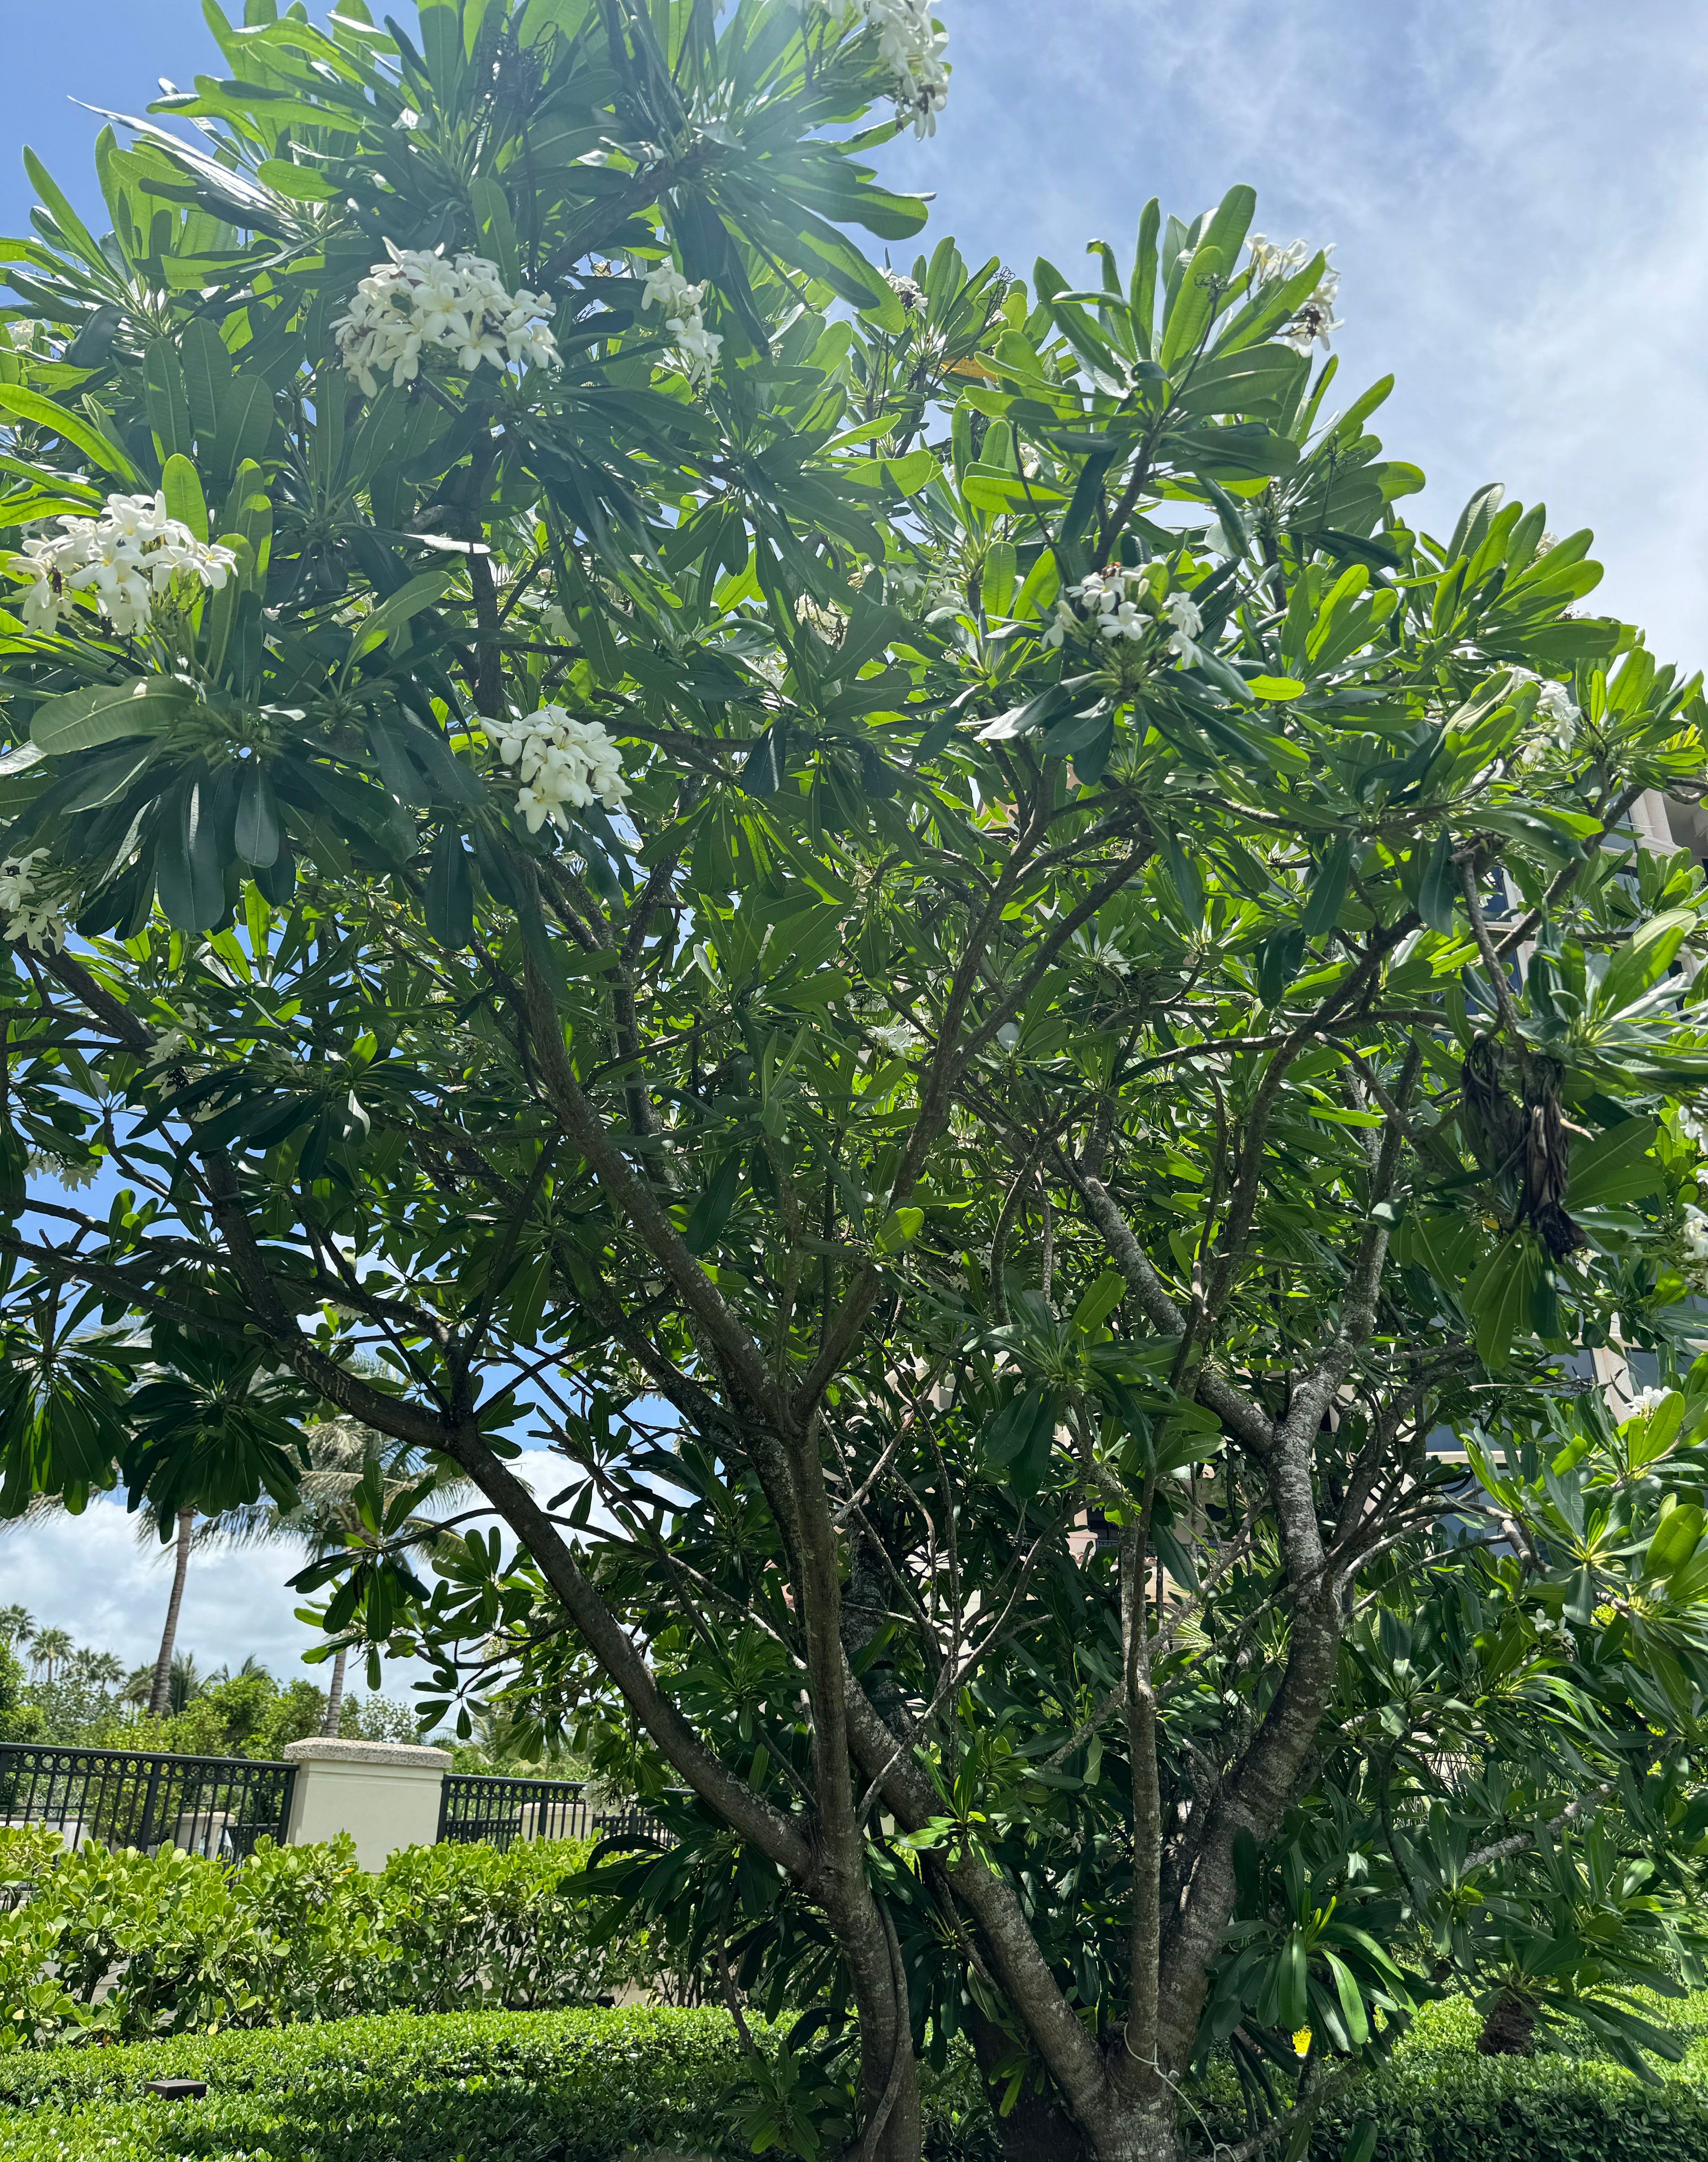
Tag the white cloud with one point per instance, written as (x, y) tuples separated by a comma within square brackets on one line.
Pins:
[(1513, 192), (88, 1574)]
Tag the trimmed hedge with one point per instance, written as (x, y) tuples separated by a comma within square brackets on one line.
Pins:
[(585, 2086), (482, 2086)]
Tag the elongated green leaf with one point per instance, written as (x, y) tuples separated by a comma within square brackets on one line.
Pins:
[(450, 895), (145, 706), (1642, 963), (181, 485), (389, 617), (260, 830), (1615, 1166), (1498, 1296), (1322, 911), (29, 405), (1439, 885)]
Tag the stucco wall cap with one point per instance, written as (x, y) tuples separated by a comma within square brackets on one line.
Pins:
[(331, 1749)]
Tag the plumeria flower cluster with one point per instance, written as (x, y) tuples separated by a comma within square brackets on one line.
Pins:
[(1112, 604), (561, 759), (26, 910), (1647, 1400), (912, 50), (1557, 717), (1696, 1245), (1314, 318), (899, 1038), (71, 1175), (419, 303), (124, 558), (678, 302)]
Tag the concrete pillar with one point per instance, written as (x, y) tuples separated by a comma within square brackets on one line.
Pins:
[(385, 1795)]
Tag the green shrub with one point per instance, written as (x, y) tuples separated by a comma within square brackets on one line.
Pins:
[(576, 2086), (584, 2086), (124, 1945)]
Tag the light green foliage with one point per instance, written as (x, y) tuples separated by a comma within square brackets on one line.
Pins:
[(296, 1934), (20, 1718)]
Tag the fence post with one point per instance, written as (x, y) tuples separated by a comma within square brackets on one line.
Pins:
[(385, 1795)]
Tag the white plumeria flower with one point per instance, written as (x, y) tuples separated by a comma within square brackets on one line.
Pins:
[(678, 302), (1647, 1400), (561, 759), (123, 559), (1314, 318), (418, 302), (898, 1038), (1695, 1232), (25, 911), (1270, 263), (69, 1175), (1063, 621), (1693, 1126), (912, 50), (1557, 717), (1183, 612), (1125, 620)]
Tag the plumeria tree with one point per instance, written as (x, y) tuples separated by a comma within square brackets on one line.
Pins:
[(903, 911)]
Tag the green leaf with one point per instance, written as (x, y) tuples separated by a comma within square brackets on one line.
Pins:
[(164, 396), (299, 183), (1676, 1538), (145, 706), (1498, 1296), (181, 485), (899, 1229), (260, 831), (1440, 886), (1275, 688), (390, 616), (712, 1210), (245, 424), (1615, 1166), (207, 367), (1100, 1300), (1641, 964), (449, 893), (188, 874), (1322, 911), (42, 413)]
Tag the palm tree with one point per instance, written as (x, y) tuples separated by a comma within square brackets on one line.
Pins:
[(212, 1411), (17, 1626), (50, 1648), (326, 1514), (185, 1683), (100, 1669), (160, 1687)]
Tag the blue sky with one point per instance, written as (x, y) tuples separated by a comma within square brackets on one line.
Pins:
[(1513, 193)]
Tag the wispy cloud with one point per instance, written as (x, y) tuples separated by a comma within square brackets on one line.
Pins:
[(1514, 194)]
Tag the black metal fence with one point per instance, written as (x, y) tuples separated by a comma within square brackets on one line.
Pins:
[(212, 1805), (478, 1806)]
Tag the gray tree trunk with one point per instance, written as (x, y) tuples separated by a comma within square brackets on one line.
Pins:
[(159, 1694), (335, 1693)]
